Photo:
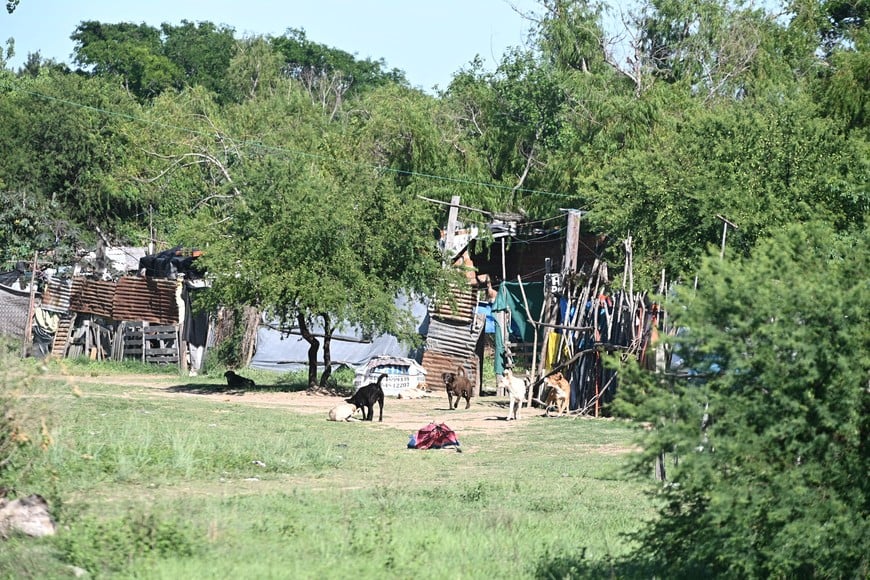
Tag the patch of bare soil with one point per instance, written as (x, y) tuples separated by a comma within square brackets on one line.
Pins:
[(487, 414)]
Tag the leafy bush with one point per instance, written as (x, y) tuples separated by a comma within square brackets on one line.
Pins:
[(766, 451), (23, 431)]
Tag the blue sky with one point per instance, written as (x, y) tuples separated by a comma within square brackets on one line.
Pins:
[(429, 40)]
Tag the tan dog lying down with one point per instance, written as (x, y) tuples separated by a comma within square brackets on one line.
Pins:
[(559, 393), (343, 412)]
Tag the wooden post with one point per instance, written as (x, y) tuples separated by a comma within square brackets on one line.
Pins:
[(535, 325), (503, 266), (725, 224), (452, 216), (572, 242)]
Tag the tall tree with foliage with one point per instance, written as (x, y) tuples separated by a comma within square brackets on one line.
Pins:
[(765, 428), (762, 165), (309, 222), (66, 136), (202, 51), (324, 69), (132, 52)]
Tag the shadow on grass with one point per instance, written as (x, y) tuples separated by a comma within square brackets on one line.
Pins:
[(223, 389)]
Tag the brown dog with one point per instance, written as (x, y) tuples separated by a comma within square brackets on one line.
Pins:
[(559, 393), (458, 386)]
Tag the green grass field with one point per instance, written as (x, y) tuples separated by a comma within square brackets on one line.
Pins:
[(168, 487)]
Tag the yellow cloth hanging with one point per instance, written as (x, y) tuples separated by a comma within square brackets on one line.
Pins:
[(553, 339)]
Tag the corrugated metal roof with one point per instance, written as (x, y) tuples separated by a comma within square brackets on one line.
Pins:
[(132, 298), (147, 299)]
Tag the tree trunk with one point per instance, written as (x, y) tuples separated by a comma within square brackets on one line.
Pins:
[(327, 354), (314, 346), (251, 321)]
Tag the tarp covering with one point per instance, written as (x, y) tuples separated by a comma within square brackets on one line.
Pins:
[(433, 436), (15, 275), (278, 351), (170, 263), (510, 299)]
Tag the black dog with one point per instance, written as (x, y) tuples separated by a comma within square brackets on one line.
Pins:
[(235, 381), (458, 386), (366, 397)]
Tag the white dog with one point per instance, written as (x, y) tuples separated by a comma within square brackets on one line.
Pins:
[(516, 388), (342, 412)]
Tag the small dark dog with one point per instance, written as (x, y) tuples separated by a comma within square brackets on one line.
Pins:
[(235, 381), (458, 386), (366, 397)]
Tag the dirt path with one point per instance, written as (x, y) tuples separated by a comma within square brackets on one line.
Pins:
[(487, 414)]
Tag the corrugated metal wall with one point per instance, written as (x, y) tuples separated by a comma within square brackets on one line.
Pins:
[(147, 299), (460, 309), (132, 298), (57, 295), (92, 297), (437, 363), (454, 339)]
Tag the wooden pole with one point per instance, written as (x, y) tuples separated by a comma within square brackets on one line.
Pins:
[(452, 217), (503, 266), (725, 224), (535, 341), (572, 242)]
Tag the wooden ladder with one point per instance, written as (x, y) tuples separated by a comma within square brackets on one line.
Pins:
[(62, 334)]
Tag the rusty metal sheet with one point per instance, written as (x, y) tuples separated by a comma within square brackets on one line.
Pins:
[(147, 299), (56, 296), (450, 345), (465, 298), (132, 298), (437, 363), (451, 338), (92, 297)]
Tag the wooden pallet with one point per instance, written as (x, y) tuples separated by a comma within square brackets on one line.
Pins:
[(150, 343)]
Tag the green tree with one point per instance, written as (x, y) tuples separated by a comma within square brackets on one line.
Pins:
[(255, 70), (310, 222), (513, 119), (133, 52), (311, 62), (766, 436), (713, 48), (65, 138), (761, 165), (202, 51)]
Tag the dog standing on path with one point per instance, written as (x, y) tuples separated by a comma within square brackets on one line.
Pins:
[(458, 385), (516, 388), (366, 397)]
